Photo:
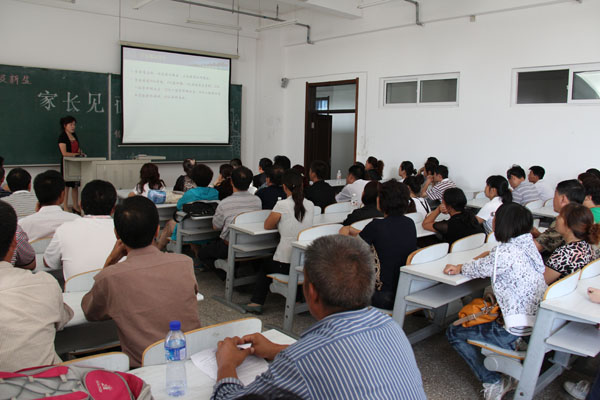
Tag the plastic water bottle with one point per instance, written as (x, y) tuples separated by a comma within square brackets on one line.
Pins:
[(339, 175), (354, 201), (175, 355)]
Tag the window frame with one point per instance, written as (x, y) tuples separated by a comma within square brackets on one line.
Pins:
[(418, 79), (572, 69)]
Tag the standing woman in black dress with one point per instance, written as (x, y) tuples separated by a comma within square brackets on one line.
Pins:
[(68, 144)]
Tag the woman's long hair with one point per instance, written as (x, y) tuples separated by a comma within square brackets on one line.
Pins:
[(293, 181), (149, 174)]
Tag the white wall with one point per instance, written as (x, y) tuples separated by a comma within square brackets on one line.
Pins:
[(485, 134)]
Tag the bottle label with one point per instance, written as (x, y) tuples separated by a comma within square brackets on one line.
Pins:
[(175, 354)]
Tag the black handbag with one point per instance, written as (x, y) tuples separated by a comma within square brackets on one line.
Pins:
[(198, 209)]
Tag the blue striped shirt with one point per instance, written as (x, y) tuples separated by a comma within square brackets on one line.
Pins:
[(361, 354)]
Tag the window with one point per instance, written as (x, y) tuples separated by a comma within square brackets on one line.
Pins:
[(439, 89), (569, 84)]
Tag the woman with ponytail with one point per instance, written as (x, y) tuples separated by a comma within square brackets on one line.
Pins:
[(289, 217), (406, 169), (496, 189), (576, 225), (374, 169)]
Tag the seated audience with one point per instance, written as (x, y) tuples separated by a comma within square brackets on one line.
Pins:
[(283, 162), (83, 244), (24, 254), (32, 307), (575, 223), (592, 197), (394, 237), (260, 179), (300, 169), (594, 171), (239, 202), (3, 192), (536, 176), (414, 184), (433, 162), (369, 208), (523, 192), (273, 192), (223, 183), (185, 182), (566, 192), (201, 175), (462, 222), (21, 198), (518, 283), (374, 169), (290, 217), (320, 192), (235, 163), (49, 189), (436, 184), (147, 290), (352, 352), (496, 189), (355, 185), (149, 180), (406, 169)]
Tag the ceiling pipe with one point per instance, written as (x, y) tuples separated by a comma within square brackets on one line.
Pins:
[(416, 3), (276, 19)]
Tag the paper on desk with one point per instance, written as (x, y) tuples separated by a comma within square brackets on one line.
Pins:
[(252, 366)]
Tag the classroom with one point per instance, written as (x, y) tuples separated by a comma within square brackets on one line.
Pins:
[(480, 128)]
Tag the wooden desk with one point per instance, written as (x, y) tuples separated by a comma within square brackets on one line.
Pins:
[(576, 306), (199, 385)]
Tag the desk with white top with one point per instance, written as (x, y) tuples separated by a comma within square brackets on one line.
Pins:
[(575, 306), (478, 203), (546, 212), (199, 385), (427, 286)]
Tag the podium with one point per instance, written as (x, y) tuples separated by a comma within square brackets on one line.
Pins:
[(123, 174)]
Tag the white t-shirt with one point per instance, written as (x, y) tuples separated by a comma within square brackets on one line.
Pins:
[(487, 211), (81, 245), (289, 227), (357, 187), (546, 192), (422, 206), (43, 223)]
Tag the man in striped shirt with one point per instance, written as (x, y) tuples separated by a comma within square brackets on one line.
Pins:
[(352, 352), (523, 192), (436, 184), (22, 199)]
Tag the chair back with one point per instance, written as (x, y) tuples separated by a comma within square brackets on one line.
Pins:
[(81, 282), (535, 205), (549, 202), (113, 361), (252, 216), (563, 286), (39, 245), (338, 208), (480, 195), (360, 225), (491, 238), (416, 217), (203, 338), (317, 210), (468, 243), (591, 270), (428, 254), (318, 231)]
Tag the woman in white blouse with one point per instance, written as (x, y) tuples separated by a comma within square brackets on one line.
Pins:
[(496, 189)]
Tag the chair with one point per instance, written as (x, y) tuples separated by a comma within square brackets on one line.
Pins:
[(510, 362), (345, 206), (591, 270), (535, 205), (203, 338), (549, 202), (416, 217), (491, 238), (360, 225), (317, 210), (427, 254), (81, 282), (468, 243), (113, 361), (39, 245)]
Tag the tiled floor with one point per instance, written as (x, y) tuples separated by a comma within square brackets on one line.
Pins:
[(445, 374)]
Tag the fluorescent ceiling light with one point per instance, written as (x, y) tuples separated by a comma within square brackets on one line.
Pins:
[(141, 4), (214, 24), (373, 3), (277, 25)]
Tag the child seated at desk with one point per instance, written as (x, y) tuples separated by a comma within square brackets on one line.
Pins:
[(496, 189), (517, 273), (149, 180), (290, 217), (576, 225)]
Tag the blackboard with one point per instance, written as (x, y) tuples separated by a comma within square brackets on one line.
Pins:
[(178, 153), (33, 100)]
